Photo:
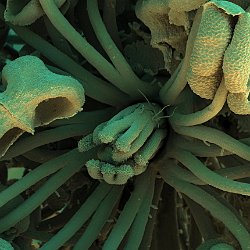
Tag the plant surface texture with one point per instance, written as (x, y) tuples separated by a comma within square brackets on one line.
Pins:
[(124, 124)]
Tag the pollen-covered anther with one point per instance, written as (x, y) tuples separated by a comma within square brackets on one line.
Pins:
[(213, 36), (94, 169), (112, 174), (126, 126), (239, 103), (86, 143), (118, 175), (204, 86), (139, 128), (236, 63), (150, 148)]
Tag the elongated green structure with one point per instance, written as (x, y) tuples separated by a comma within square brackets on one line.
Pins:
[(25, 12), (22, 225)]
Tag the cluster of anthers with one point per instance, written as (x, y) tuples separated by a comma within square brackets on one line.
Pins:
[(220, 55), (125, 143)]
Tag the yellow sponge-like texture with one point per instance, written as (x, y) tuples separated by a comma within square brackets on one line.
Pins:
[(212, 39), (238, 103), (236, 64), (204, 86)]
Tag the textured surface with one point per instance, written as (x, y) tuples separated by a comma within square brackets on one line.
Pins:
[(236, 64), (239, 103), (211, 42), (127, 142), (34, 96)]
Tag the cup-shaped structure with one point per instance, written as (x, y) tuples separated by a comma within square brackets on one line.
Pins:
[(36, 96), (10, 130)]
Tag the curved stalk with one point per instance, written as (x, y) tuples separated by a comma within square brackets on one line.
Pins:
[(147, 240), (48, 188), (82, 46), (205, 114), (168, 94), (217, 137), (99, 219), (129, 212), (107, 93), (86, 118), (216, 208), (139, 225), (134, 84), (109, 19), (233, 173), (81, 124), (202, 220), (36, 175), (45, 137), (208, 176), (58, 40), (43, 155), (198, 147), (79, 218)]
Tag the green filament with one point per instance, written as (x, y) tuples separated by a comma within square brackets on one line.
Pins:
[(138, 227), (99, 219), (233, 173), (110, 95), (207, 175), (216, 208), (79, 218), (205, 114), (128, 214), (82, 46), (133, 82), (217, 137), (202, 219), (87, 119), (45, 137), (215, 244), (36, 175), (45, 191)]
